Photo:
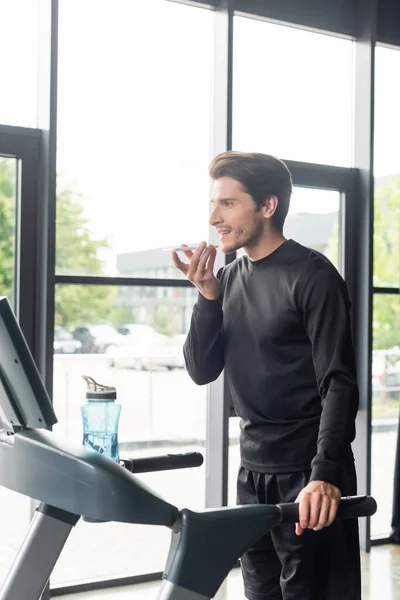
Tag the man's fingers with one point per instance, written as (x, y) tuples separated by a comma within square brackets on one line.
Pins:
[(189, 269), (323, 514), (211, 260), (299, 529), (198, 263), (315, 507), (198, 252), (188, 253), (184, 267), (206, 262), (194, 260), (202, 264), (318, 504), (304, 510), (332, 511)]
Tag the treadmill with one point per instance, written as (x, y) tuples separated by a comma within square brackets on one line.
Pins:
[(71, 481)]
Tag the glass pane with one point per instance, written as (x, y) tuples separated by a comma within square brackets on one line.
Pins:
[(385, 406), (387, 117), (19, 68), (233, 458), (14, 508), (134, 143), (387, 169), (292, 93), (314, 221), (131, 338), (387, 232)]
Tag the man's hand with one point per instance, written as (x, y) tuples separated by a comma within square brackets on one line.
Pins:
[(318, 506), (200, 269)]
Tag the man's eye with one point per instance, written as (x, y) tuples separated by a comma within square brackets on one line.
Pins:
[(228, 203)]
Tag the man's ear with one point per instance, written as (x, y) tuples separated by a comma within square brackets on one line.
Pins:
[(270, 206)]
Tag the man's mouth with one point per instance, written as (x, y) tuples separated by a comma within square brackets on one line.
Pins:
[(223, 233)]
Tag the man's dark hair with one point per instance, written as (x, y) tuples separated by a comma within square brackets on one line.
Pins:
[(261, 176)]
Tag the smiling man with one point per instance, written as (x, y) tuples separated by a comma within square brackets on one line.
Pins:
[(277, 319)]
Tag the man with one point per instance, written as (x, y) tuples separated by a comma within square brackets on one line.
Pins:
[(277, 319)]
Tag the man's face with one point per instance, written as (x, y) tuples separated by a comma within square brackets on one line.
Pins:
[(238, 221)]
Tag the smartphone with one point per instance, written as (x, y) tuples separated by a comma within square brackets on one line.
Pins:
[(180, 249)]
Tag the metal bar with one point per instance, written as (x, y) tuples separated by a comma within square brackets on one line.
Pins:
[(363, 229), (342, 235), (120, 281), (349, 240), (385, 290), (335, 16), (29, 574), (100, 584), (27, 241), (223, 75), (321, 176), (380, 541), (19, 132), (46, 224), (25, 148), (217, 434), (217, 441)]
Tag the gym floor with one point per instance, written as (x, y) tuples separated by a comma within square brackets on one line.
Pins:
[(381, 580)]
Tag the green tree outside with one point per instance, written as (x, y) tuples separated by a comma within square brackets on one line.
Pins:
[(8, 175), (161, 318), (386, 313), (386, 309), (77, 253)]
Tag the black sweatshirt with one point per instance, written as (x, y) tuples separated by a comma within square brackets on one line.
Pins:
[(281, 329)]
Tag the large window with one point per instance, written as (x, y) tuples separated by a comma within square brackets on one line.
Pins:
[(19, 66), (292, 93), (386, 280), (133, 133), (133, 150)]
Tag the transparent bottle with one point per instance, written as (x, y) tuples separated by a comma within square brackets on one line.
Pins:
[(100, 414)]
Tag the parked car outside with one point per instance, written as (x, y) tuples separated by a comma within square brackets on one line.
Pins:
[(64, 342), (145, 349), (386, 374), (95, 339)]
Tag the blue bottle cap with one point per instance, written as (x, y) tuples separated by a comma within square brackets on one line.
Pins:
[(98, 391)]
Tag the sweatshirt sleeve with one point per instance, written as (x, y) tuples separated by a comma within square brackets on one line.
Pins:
[(326, 310), (203, 348)]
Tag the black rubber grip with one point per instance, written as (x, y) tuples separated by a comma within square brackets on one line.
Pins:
[(165, 462), (349, 507)]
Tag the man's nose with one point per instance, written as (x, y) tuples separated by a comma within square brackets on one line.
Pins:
[(215, 216)]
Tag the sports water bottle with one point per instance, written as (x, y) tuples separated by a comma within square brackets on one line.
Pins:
[(100, 415)]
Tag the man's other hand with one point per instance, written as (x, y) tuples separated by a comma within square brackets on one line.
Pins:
[(319, 502)]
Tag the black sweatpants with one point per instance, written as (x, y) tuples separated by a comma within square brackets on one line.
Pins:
[(318, 565)]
